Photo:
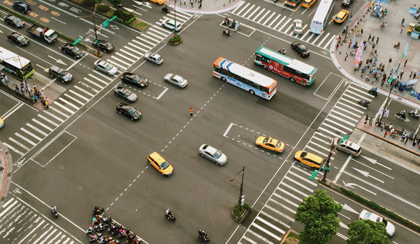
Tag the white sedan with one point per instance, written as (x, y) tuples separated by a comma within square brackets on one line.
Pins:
[(105, 67), (176, 80), (170, 24), (297, 27), (390, 228), (154, 58)]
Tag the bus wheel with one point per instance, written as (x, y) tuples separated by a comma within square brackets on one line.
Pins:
[(264, 66), (223, 78), (252, 92), (292, 79)]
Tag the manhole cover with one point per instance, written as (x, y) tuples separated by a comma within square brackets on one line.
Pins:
[(61, 167), (79, 188)]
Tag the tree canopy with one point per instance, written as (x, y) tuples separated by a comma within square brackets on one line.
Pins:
[(319, 215), (367, 232)]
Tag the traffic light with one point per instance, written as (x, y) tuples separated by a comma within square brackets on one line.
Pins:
[(313, 175), (242, 199), (326, 169)]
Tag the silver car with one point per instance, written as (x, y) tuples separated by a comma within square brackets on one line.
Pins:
[(176, 80), (170, 24), (154, 58), (212, 154), (105, 67), (297, 27)]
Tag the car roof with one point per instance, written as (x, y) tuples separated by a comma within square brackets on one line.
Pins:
[(211, 150), (156, 156), (155, 55), (272, 141), (342, 13)]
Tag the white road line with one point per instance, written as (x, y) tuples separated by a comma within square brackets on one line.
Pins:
[(83, 90), (348, 112), (74, 99), (316, 39), (286, 200), (329, 132), (125, 57), (13, 149), (36, 129), (259, 236), (132, 55), (267, 232), (338, 124), (158, 32), (10, 112), (119, 60), (58, 111), (285, 24), (160, 95), (359, 95), (158, 28), (242, 8), (268, 18), (323, 39), (156, 36), (142, 44), (42, 236), (32, 231), (96, 78), (278, 16), (227, 130), (328, 43), (153, 44), (271, 225), (104, 76), (77, 94), (306, 33), (137, 47), (248, 11), (19, 144), (53, 116), (281, 214), (64, 107), (350, 107), (31, 134), (116, 64), (68, 103), (48, 120), (263, 17), (294, 189), (25, 139), (42, 124), (310, 37), (344, 115), (134, 51), (287, 30), (249, 17)]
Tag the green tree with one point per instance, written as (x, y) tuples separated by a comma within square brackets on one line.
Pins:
[(116, 2), (367, 232), (319, 215)]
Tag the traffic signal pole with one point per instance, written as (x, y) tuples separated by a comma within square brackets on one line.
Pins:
[(241, 198)]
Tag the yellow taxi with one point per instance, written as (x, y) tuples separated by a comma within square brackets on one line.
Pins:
[(309, 159), (308, 3), (270, 144), (341, 16), (160, 2), (1, 123), (160, 164)]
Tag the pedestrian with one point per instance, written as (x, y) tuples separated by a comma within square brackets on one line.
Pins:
[(191, 1), (390, 60), (385, 24), (366, 120), (237, 26), (367, 77), (181, 2), (373, 39), (345, 57), (402, 29), (185, 2), (34, 86), (199, 6), (16, 89), (414, 141), (29, 90), (405, 63), (191, 111), (361, 31), (41, 93), (411, 75), (373, 46), (35, 98), (385, 134), (22, 90), (377, 40), (46, 102), (402, 21), (392, 71), (414, 75), (406, 139), (401, 74), (370, 121), (369, 38), (349, 43)]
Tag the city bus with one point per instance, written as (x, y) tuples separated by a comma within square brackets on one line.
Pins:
[(247, 79), (320, 18), (285, 66), (15, 64)]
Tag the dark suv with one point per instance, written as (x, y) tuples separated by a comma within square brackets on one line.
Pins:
[(60, 74), (22, 7)]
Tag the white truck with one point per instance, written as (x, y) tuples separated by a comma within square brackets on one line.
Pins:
[(45, 34)]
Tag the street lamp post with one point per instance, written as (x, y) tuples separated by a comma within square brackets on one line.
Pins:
[(242, 185), (175, 18), (391, 81), (94, 28)]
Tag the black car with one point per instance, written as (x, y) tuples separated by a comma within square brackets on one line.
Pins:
[(104, 45), (14, 21), (346, 3), (134, 79), (22, 7), (60, 74), (301, 49), (18, 38), (72, 50), (128, 111)]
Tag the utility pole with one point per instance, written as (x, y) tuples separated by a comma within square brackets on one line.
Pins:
[(241, 197), (94, 28), (175, 18), (332, 148)]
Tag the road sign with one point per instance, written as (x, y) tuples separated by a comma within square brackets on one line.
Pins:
[(386, 114), (105, 23), (405, 51)]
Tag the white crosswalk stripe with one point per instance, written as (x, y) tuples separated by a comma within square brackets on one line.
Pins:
[(82, 92), (278, 213), (265, 17), (22, 224)]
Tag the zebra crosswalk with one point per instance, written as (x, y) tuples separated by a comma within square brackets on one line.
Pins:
[(282, 24), (21, 224), (278, 213), (76, 97)]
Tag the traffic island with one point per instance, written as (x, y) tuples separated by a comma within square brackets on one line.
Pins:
[(176, 40), (239, 216)]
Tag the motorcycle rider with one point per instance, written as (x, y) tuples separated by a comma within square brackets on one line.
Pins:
[(403, 114), (375, 90), (227, 32), (397, 44), (169, 213), (202, 233), (54, 208)]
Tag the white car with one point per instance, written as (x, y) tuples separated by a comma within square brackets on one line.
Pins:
[(176, 80), (105, 67), (390, 228), (154, 58), (212, 154), (170, 24), (1, 123), (297, 27)]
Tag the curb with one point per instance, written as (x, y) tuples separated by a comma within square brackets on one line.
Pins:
[(7, 158)]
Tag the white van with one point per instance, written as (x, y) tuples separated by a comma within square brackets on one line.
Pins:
[(348, 147)]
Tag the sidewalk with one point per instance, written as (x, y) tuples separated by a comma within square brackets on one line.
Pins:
[(6, 174), (397, 10), (208, 6)]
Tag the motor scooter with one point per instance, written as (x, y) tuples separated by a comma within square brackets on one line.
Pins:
[(165, 9), (414, 113), (399, 116), (373, 92), (364, 102)]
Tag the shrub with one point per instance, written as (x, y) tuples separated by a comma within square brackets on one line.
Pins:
[(123, 15), (236, 209), (417, 28), (98, 1), (103, 8), (89, 3), (130, 20), (174, 39)]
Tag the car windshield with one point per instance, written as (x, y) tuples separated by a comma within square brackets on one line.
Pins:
[(338, 18), (131, 110), (385, 222), (303, 154), (137, 78), (159, 58), (164, 165), (298, 27), (75, 50), (278, 144), (265, 140), (20, 38), (178, 78), (217, 154), (108, 66), (16, 20), (63, 73), (127, 92)]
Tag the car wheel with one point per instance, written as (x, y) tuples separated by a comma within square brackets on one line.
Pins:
[(10, 39), (75, 57), (116, 94), (161, 173), (63, 50), (20, 44), (202, 155), (252, 92), (156, 64), (52, 76), (97, 68), (224, 79), (109, 74), (63, 81), (292, 79), (132, 119), (217, 163), (119, 112)]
